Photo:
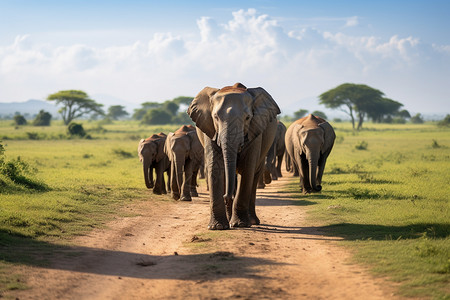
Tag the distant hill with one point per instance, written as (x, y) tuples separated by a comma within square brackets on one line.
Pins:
[(30, 107)]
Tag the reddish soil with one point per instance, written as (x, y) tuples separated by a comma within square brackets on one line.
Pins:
[(166, 252)]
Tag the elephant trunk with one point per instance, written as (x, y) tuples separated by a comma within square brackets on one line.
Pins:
[(313, 163), (148, 177), (179, 166)]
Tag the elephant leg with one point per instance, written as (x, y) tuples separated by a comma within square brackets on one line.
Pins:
[(215, 171), (194, 192), (261, 183), (279, 162), (254, 220), (186, 186), (158, 187), (175, 188), (169, 189), (304, 175), (150, 176), (322, 162), (246, 184)]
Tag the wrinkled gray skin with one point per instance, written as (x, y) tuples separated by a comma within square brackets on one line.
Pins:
[(236, 126), (151, 154), (186, 155), (274, 158), (309, 141)]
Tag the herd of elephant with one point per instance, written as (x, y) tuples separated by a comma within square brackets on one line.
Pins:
[(238, 146)]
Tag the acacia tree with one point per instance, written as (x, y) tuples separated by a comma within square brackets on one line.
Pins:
[(75, 104), (115, 112), (352, 98)]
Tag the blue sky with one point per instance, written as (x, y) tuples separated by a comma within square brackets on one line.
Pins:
[(140, 51)]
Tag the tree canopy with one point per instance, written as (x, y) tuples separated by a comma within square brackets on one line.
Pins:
[(75, 104), (116, 112), (168, 112), (359, 99)]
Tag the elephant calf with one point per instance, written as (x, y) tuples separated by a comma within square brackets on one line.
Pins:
[(309, 141), (186, 155), (151, 154)]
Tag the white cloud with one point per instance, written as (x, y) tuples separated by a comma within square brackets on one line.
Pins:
[(352, 21), (252, 48)]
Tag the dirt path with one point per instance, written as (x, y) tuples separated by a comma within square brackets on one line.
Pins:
[(167, 253)]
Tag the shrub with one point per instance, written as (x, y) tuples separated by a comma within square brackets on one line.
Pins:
[(361, 145), (445, 122), (417, 119), (76, 129), (43, 118), (20, 120)]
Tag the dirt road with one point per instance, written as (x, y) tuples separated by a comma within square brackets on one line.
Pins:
[(167, 253)]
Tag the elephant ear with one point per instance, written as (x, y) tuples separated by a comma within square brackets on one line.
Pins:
[(296, 141), (265, 109), (139, 150), (329, 137), (167, 149), (161, 144), (200, 111), (196, 147)]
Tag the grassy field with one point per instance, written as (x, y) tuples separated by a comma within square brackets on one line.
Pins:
[(386, 192)]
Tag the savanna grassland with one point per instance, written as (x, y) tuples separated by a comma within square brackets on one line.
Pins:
[(385, 192)]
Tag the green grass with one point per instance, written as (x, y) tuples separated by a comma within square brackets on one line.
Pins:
[(67, 187), (389, 200)]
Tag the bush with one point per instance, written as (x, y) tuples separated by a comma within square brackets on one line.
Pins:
[(20, 120), (361, 145), (14, 170), (42, 119), (417, 119), (76, 129), (445, 122)]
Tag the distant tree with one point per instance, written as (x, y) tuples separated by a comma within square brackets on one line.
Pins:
[(445, 122), (183, 100), (157, 117), (182, 118), (75, 104), (115, 112), (352, 99), (380, 109), (43, 118), (404, 114), (320, 114), (20, 120), (171, 107), (417, 119), (300, 114)]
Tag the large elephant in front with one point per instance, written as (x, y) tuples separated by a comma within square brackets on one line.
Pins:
[(309, 141), (236, 126), (151, 154), (185, 153)]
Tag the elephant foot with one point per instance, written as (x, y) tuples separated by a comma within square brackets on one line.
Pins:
[(236, 222), (184, 198), (175, 197), (216, 225), (254, 220), (194, 193), (157, 192)]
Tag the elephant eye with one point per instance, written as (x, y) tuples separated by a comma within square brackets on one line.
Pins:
[(247, 118)]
